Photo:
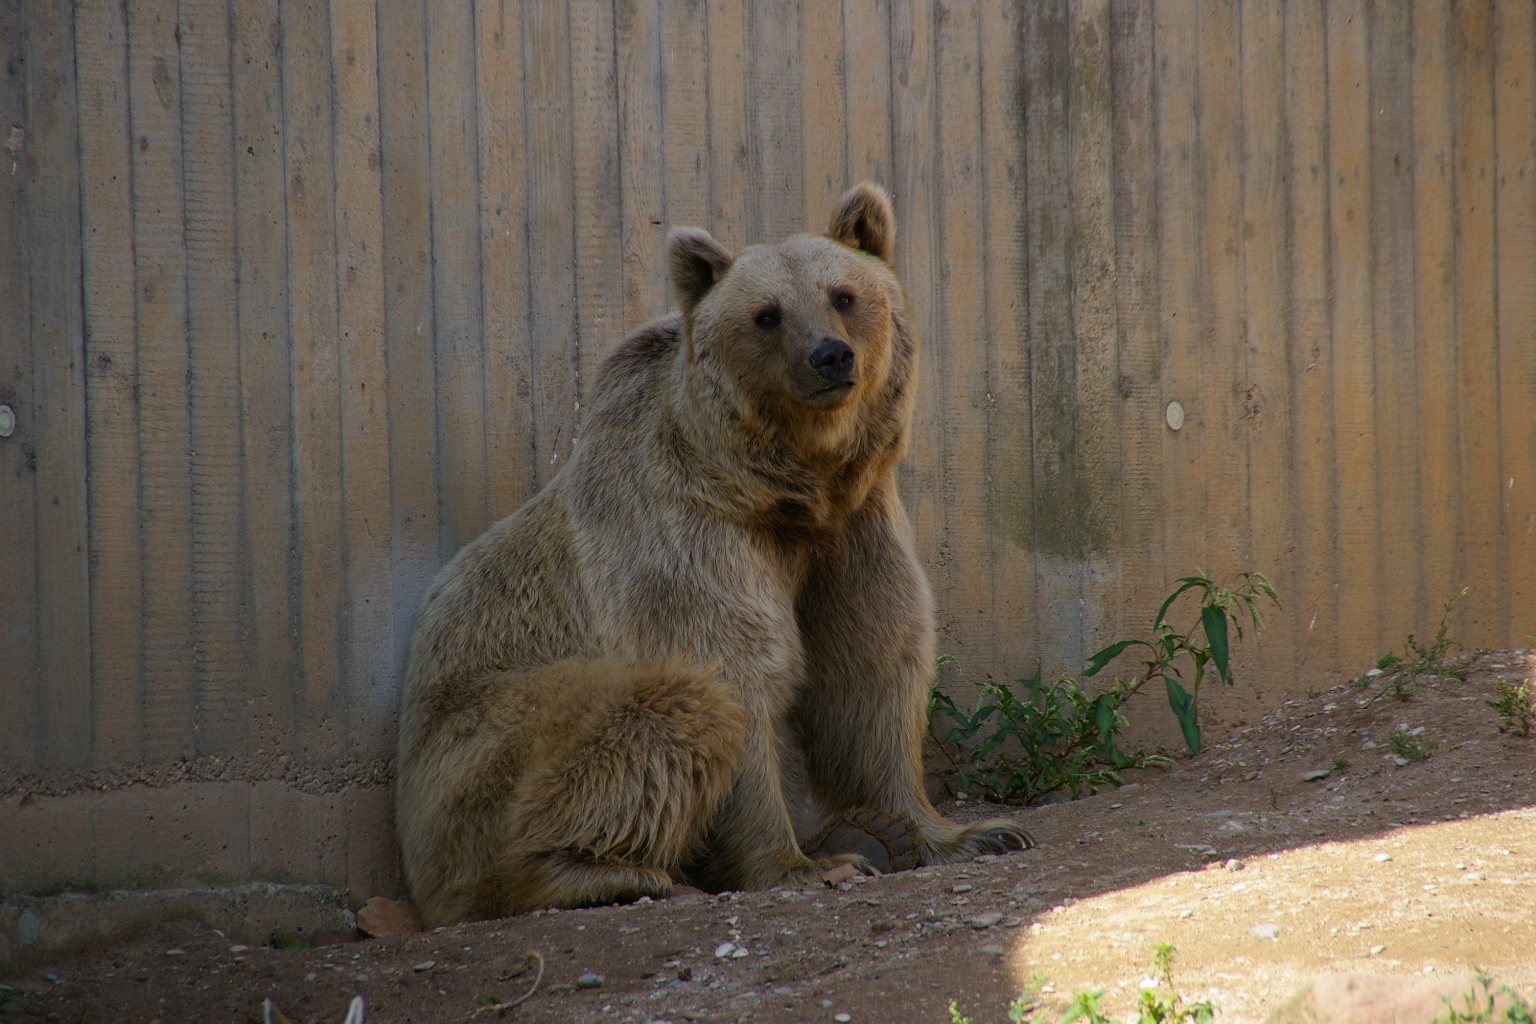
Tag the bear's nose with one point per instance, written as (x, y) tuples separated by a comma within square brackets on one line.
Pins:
[(833, 359)]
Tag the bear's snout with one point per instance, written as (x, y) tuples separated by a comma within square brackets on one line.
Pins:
[(833, 360)]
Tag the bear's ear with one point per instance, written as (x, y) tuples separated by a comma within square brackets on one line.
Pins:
[(863, 220), (697, 262)]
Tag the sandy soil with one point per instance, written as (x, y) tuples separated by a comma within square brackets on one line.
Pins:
[(1421, 868)]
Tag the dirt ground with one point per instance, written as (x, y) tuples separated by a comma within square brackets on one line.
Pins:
[(1260, 878)]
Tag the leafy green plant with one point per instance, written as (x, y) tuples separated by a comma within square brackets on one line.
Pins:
[(1172, 653), (1407, 744), (1067, 737), (1516, 707), (1057, 728), (1340, 763), (1501, 1006)]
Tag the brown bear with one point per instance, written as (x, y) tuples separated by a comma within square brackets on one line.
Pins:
[(707, 639)]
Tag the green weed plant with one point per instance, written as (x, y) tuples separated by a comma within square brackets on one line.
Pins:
[(1064, 738), (1515, 706)]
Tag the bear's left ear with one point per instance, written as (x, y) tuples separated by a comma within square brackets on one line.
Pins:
[(863, 220), (696, 262)]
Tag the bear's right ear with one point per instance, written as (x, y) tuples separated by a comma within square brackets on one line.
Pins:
[(697, 263)]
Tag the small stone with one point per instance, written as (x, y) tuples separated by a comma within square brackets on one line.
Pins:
[(425, 965), (1373, 673), (783, 990), (239, 948), (841, 873), (1186, 913), (986, 920), (1315, 775), (991, 949), (724, 950), (739, 952), (1382, 858), (1235, 865), (1378, 950), (175, 952), (1265, 931), (1400, 761), (1474, 876), (589, 979), (962, 887), (842, 1018), (881, 943)]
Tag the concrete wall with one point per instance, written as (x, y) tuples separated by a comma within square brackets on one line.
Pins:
[(299, 296)]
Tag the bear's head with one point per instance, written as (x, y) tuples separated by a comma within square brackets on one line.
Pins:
[(807, 337)]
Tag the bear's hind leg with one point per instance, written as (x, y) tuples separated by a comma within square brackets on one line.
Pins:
[(611, 807)]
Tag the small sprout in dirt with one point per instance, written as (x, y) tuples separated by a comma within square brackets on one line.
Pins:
[(487, 999), (1340, 763), (955, 1017), (1516, 707), (1361, 682), (1407, 744), (1492, 1006), (1312, 692), (1022, 1009), (280, 940), (1426, 659), (1274, 799)]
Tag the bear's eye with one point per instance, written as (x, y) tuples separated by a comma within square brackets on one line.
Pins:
[(842, 300), (767, 319)]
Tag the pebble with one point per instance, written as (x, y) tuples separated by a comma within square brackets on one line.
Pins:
[(740, 952), (1378, 950), (842, 1018), (1400, 761), (992, 950), (1315, 775), (1186, 913), (962, 887), (590, 979), (1474, 876), (724, 950), (984, 920), (1235, 865), (1382, 858), (239, 948), (175, 952), (425, 965), (1265, 931)]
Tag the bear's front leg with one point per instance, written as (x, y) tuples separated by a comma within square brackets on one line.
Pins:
[(866, 626), (752, 843)]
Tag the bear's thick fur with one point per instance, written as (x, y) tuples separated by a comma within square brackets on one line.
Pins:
[(708, 635)]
